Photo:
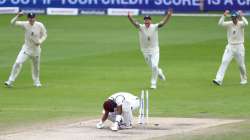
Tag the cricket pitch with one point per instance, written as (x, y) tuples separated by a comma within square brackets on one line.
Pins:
[(157, 127)]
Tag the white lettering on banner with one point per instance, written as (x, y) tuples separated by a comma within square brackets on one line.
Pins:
[(73, 2), (243, 2), (178, 2), (47, 2), (34, 1), (2, 1), (187, 2), (14, 1), (196, 2), (106, 2), (159, 2), (88, 2), (214, 2), (228, 2), (125, 2), (24, 2)]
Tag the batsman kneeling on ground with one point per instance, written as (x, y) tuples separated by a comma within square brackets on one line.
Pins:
[(118, 108)]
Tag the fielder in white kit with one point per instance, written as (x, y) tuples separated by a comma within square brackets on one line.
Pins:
[(235, 47), (149, 44), (35, 35), (119, 109)]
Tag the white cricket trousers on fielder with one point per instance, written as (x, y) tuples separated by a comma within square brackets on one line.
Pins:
[(152, 59), (127, 112), (21, 58), (233, 51)]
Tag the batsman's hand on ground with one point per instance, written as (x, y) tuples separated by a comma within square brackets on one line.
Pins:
[(226, 12), (100, 125)]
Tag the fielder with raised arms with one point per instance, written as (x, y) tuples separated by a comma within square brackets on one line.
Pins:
[(149, 44), (118, 108), (35, 35), (235, 47)]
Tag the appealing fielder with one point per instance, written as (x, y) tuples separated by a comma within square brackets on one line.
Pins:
[(118, 109), (149, 44), (235, 47), (35, 35)]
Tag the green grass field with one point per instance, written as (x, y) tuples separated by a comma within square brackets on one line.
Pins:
[(87, 58)]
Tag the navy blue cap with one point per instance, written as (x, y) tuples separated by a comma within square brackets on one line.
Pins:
[(234, 14), (147, 17), (31, 15)]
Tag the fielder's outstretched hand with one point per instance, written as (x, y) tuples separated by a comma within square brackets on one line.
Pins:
[(241, 14), (129, 14), (19, 14), (170, 11), (226, 12)]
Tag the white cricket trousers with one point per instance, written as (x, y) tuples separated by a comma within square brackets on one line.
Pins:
[(233, 51), (21, 58), (152, 59), (127, 111)]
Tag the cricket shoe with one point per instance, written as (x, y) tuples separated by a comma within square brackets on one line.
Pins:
[(115, 126), (8, 84), (37, 84), (153, 86), (243, 82), (124, 126), (218, 83), (161, 75)]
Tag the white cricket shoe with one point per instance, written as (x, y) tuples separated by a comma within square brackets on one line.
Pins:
[(243, 82), (218, 83), (124, 126), (115, 127), (161, 75), (100, 125), (153, 86), (8, 84), (37, 84)]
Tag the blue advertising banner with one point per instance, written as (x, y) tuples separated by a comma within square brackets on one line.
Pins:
[(178, 5), (142, 5), (221, 5)]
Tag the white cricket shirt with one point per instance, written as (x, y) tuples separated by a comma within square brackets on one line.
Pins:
[(120, 97), (148, 37), (235, 33), (35, 33)]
